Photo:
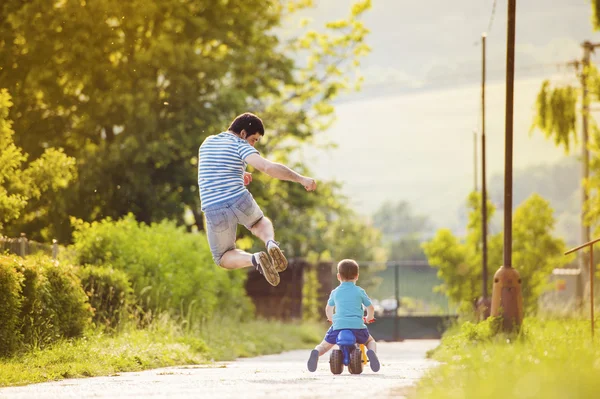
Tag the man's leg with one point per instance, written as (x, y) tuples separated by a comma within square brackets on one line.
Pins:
[(221, 225), (264, 230), (250, 215), (237, 259)]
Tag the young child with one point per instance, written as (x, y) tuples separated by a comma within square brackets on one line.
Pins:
[(347, 300)]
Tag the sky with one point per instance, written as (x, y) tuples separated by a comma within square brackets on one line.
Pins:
[(408, 135)]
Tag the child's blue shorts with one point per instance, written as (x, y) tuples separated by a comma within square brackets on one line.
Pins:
[(361, 334)]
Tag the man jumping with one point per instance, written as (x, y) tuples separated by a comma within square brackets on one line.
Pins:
[(226, 202)]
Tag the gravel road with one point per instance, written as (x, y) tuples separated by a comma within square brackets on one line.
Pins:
[(274, 376)]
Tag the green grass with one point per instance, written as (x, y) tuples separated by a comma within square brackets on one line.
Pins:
[(164, 343), (550, 359)]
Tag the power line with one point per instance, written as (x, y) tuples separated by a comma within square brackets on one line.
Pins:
[(492, 18), (490, 23)]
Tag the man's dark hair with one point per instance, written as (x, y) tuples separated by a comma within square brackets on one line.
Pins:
[(348, 269), (251, 123)]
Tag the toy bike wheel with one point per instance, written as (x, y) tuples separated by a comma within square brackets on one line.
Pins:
[(336, 361), (356, 365)]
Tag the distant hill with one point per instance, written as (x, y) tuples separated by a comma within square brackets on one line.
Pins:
[(559, 183), (408, 135)]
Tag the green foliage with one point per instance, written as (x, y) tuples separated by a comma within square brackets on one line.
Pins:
[(50, 173), (10, 298), (592, 207), (134, 100), (596, 14), (54, 304), (556, 114), (469, 334), (319, 227), (459, 261), (109, 293), (550, 359), (169, 269), (42, 302), (312, 308), (535, 253), (38, 324), (66, 298)]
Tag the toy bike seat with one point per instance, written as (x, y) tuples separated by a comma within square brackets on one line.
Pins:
[(345, 338)]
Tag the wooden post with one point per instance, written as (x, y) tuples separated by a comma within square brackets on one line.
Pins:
[(591, 276), (592, 287), (507, 299), (22, 245), (54, 249)]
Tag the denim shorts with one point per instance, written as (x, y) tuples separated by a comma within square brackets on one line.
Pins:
[(222, 220), (361, 334)]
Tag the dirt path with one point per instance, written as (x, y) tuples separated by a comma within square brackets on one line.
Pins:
[(274, 376)]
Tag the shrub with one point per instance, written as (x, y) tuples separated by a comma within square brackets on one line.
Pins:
[(10, 303), (54, 304), (67, 298), (169, 269), (109, 293), (37, 320)]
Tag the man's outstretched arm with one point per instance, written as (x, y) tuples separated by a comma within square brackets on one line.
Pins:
[(280, 171)]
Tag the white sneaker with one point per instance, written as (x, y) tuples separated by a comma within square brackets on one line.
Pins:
[(263, 265), (277, 256)]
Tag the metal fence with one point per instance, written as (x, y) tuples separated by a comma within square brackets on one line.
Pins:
[(405, 288), (407, 304), (22, 247)]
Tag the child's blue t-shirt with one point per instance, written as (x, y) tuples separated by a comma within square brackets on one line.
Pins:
[(348, 299)]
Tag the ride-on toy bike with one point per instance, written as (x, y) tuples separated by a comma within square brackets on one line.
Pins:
[(349, 354)]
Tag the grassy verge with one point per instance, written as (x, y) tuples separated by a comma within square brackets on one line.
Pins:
[(549, 359), (164, 343)]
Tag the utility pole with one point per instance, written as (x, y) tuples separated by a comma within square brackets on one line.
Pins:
[(483, 177), (483, 304), (507, 300), (585, 236), (475, 160), (588, 48)]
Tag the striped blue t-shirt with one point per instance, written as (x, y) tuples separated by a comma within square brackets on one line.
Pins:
[(221, 166)]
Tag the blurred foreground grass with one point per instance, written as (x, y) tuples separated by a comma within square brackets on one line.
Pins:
[(164, 343), (550, 359)]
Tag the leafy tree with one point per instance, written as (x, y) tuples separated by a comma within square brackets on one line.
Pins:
[(131, 89), (402, 229), (396, 220), (459, 260), (535, 253), (596, 14), (556, 114), (48, 174), (408, 248)]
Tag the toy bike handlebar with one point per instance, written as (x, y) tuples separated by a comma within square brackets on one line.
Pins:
[(364, 318)]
